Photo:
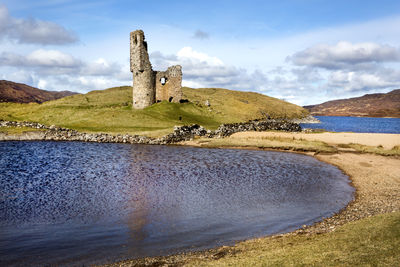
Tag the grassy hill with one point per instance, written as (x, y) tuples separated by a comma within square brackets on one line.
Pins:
[(111, 111)]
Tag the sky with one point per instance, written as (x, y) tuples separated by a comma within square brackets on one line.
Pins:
[(303, 51)]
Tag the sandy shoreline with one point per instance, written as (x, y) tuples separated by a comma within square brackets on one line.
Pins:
[(376, 180), (388, 141), (377, 183)]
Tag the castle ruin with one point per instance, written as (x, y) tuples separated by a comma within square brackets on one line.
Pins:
[(151, 86)]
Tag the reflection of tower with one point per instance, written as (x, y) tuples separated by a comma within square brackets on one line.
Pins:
[(143, 75), (140, 214), (154, 206), (137, 219)]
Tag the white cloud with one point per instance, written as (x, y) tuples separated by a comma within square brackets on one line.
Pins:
[(43, 62), (344, 54), (52, 58), (188, 54), (55, 70), (355, 81), (94, 82), (76, 83), (314, 73), (57, 62), (368, 49), (101, 67), (202, 70), (33, 31), (19, 76), (346, 69), (42, 84)]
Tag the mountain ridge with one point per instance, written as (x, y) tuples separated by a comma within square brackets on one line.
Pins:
[(22, 93), (368, 105)]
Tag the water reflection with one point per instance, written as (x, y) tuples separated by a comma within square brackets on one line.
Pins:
[(62, 203), (138, 218)]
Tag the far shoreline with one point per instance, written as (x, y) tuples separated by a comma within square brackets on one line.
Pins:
[(354, 116)]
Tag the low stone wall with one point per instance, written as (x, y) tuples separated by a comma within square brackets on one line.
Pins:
[(180, 133), (225, 130)]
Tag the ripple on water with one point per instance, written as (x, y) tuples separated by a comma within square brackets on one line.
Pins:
[(63, 202)]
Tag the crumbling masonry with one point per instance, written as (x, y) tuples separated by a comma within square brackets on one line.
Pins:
[(151, 86)]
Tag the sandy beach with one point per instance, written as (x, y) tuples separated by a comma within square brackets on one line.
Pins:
[(388, 141)]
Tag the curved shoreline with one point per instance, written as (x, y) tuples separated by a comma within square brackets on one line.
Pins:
[(375, 178), (364, 205)]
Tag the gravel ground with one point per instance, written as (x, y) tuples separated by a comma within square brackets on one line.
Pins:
[(377, 182)]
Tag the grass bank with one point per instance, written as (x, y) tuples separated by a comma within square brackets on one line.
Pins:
[(373, 241), (110, 111)]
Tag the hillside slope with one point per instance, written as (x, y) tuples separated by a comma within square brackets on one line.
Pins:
[(370, 105), (242, 106), (22, 93), (111, 111)]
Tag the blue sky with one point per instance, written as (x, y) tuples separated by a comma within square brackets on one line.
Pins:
[(305, 51)]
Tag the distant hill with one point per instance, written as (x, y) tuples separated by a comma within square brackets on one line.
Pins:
[(22, 93), (370, 105)]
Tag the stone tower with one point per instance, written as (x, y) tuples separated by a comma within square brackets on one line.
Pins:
[(143, 75), (150, 86)]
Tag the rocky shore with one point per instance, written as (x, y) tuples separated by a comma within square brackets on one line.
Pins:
[(308, 119), (180, 133)]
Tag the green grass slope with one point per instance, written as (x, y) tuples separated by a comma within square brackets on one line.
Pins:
[(233, 106), (373, 241), (111, 111)]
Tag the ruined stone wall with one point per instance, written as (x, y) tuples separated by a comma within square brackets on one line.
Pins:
[(150, 86), (180, 133), (169, 84)]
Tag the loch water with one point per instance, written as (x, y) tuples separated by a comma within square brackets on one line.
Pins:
[(75, 204), (356, 124)]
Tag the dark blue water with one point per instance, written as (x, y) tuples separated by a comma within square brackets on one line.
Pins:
[(356, 124), (74, 204)]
